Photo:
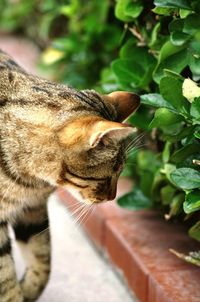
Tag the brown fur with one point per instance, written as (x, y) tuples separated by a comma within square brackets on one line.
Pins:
[(51, 135)]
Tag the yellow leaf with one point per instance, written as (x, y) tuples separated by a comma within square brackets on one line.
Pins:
[(190, 90), (51, 55)]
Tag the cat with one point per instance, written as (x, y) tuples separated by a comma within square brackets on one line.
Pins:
[(52, 135)]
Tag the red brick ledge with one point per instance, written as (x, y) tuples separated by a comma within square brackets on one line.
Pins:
[(138, 243)]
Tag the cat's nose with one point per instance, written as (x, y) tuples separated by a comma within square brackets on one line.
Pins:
[(112, 193)]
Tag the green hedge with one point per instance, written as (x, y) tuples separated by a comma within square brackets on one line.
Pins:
[(149, 47), (79, 37), (159, 60)]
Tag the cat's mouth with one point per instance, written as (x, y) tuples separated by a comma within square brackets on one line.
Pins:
[(89, 199)]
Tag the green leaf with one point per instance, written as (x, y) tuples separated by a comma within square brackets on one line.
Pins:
[(141, 118), (171, 90), (184, 133), (167, 193), (195, 108), (166, 152), (195, 46), (170, 57), (146, 181), (176, 204), (192, 24), (148, 161), (135, 70), (163, 10), (184, 13), (179, 38), (175, 62), (128, 71), (167, 50), (135, 200), (140, 55), (127, 10), (194, 64), (108, 80), (154, 35), (164, 117), (186, 178), (133, 8), (181, 154), (173, 74), (158, 182), (190, 162), (155, 100), (176, 25), (167, 170), (194, 56), (194, 231), (173, 4), (197, 134), (192, 202), (127, 50)]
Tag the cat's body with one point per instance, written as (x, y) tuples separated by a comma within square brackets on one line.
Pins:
[(51, 135)]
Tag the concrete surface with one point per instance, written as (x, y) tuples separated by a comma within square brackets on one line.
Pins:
[(79, 273)]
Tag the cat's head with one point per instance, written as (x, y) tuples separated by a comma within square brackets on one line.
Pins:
[(95, 148)]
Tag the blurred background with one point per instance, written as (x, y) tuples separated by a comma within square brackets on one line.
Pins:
[(77, 38)]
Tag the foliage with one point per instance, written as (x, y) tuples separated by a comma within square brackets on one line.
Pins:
[(160, 59), (149, 47), (78, 37)]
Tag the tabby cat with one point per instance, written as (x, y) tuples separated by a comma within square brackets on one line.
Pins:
[(51, 135)]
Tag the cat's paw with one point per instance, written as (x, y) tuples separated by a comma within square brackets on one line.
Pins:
[(32, 287)]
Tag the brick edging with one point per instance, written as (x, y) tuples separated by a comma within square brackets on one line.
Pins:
[(138, 243)]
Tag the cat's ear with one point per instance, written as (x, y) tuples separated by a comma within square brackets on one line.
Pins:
[(106, 130), (125, 103)]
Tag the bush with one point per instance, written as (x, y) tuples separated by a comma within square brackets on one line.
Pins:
[(159, 60), (149, 47)]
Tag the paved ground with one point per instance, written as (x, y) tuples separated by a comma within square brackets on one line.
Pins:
[(79, 273)]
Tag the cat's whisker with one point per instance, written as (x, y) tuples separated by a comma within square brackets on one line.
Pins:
[(88, 213), (36, 235), (73, 206), (138, 147), (137, 137), (84, 214), (91, 209), (80, 215), (134, 144), (135, 140), (77, 210)]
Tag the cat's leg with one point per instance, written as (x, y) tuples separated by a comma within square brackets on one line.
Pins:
[(10, 289), (32, 232)]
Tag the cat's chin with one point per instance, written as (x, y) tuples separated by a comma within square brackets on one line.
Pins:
[(76, 194)]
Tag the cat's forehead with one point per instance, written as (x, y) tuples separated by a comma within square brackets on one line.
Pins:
[(89, 100)]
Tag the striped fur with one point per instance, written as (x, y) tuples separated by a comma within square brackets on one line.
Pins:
[(51, 135)]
